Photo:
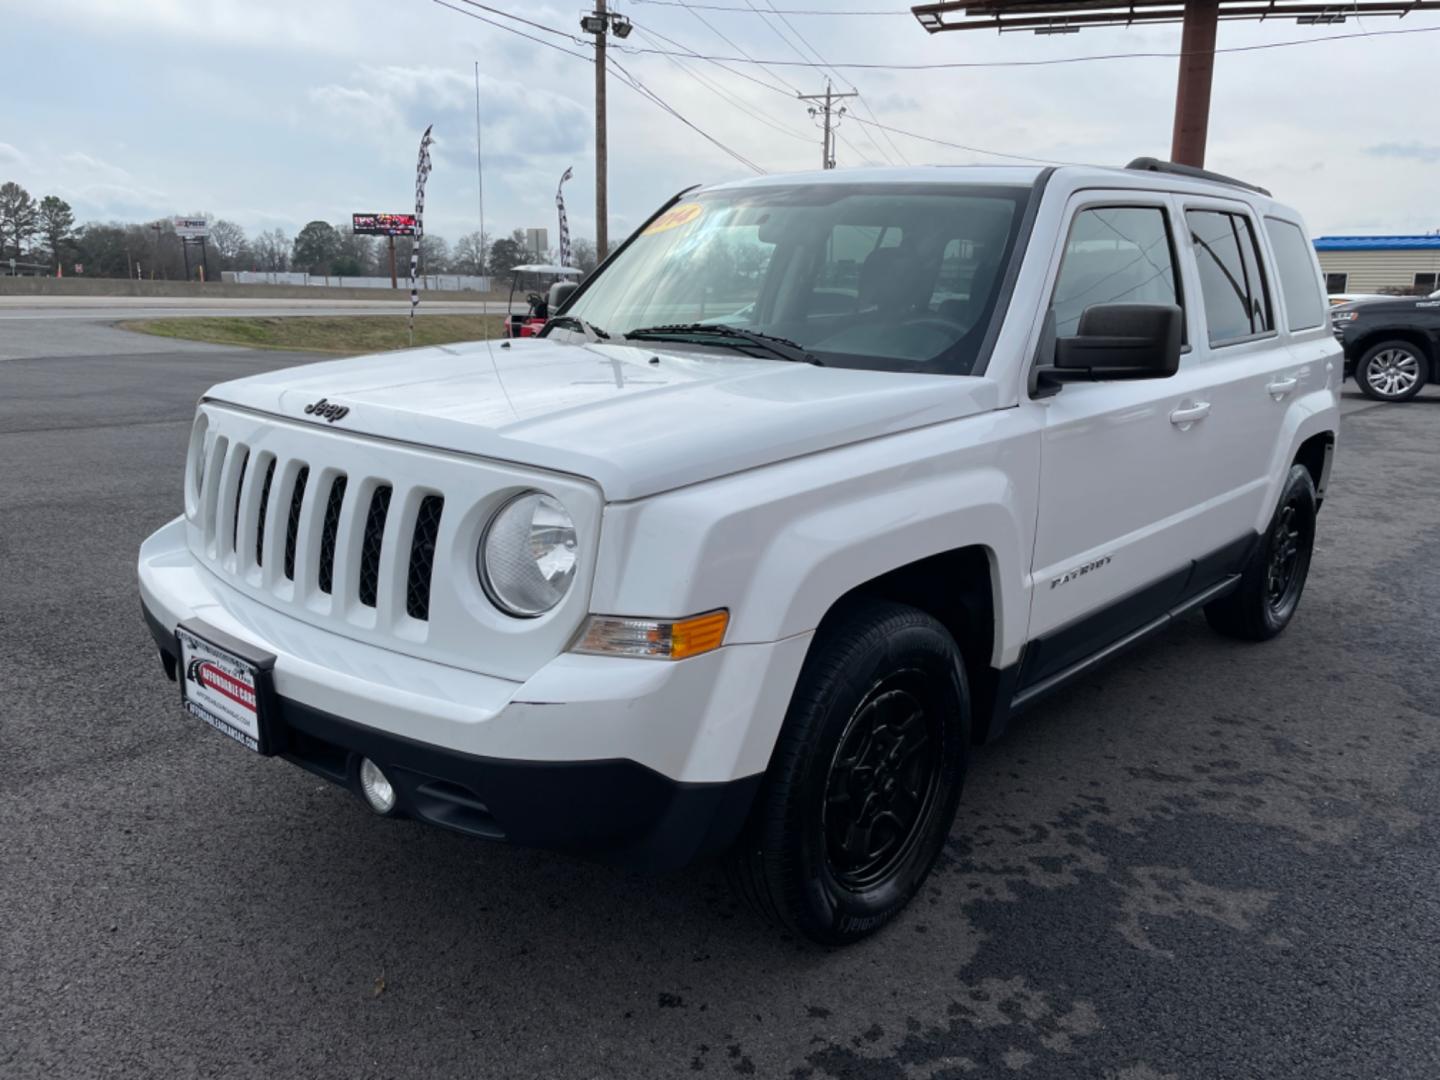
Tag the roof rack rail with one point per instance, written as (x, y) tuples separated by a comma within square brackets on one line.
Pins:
[(1150, 164)]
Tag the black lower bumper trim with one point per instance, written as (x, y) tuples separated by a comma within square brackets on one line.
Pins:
[(616, 811)]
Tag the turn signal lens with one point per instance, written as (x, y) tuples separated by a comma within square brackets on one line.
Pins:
[(655, 639)]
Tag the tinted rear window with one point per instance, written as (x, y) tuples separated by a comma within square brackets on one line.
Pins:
[(1299, 283)]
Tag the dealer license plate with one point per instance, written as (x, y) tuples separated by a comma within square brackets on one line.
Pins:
[(223, 688)]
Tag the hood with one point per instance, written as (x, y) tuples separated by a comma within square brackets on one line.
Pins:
[(635, 420)]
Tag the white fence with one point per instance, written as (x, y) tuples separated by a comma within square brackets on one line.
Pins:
[(432, 282)]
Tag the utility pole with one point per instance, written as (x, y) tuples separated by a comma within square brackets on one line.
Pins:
[(602, 149), (601, 22), (827, 145)]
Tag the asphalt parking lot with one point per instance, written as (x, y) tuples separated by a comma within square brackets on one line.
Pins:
[(1210, 860)]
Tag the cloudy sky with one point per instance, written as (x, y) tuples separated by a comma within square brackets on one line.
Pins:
[(276, 112)]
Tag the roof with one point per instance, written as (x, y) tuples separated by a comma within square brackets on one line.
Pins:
[(537, 268), (1044, 16), (1378, 243), (1075, 176)]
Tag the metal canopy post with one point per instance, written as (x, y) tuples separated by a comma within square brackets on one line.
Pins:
[(1197, 74)]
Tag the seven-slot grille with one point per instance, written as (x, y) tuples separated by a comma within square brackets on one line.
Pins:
[(235, 531)]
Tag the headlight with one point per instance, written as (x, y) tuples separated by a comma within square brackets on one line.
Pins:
[(1343, 316), (527, 556)]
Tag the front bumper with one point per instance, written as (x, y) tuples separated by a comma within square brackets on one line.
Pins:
[(637, 762)]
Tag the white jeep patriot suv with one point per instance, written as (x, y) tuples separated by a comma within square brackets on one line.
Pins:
[(808, 489)]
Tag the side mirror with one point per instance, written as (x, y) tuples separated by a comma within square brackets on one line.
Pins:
[(1117, 341), (560, 292)]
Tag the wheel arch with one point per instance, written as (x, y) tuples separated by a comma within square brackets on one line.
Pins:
[(958, 588), (1316, 453)]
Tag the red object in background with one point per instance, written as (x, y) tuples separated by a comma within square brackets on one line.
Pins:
[(524, 326)]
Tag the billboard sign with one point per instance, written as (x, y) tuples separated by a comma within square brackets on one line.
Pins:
[(188, 228), (382, 224), (537, 242)]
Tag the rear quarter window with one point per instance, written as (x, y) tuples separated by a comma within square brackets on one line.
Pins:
[(1232, 280), (1299, 280)]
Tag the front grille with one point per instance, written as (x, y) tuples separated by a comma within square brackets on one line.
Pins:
[(347, 534), (422, 557), (328, 532), (292, 527), (371, 544)]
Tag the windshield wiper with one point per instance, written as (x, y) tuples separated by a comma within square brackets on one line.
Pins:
[(592, 333), (784, 348)]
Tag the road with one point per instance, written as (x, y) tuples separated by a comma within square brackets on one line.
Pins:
[(1208, 861)]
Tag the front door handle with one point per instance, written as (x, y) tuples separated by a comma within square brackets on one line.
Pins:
[(1186, 415), (1280, 387)]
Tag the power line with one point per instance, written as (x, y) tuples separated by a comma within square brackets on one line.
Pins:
[(785, 11), (962, 146), (860, 98), (636, 84), (714, 29), (873, 123), (860, 154), (730, 98), (1052, 61), (626, 77)]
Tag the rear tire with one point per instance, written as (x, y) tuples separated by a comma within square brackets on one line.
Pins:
[(1274, 575), (865, 777), (1391, 371)]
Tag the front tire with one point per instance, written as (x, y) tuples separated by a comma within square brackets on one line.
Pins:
[(1274, 576), (1391, 371), (865, 777)]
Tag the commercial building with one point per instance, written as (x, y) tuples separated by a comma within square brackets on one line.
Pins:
[(1369, 264)]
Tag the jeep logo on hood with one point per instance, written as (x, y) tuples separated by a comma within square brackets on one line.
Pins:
[(324, 409)]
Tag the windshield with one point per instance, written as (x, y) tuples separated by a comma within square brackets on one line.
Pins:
[(901, 277)]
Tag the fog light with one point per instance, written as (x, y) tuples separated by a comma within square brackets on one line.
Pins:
[(376, 787)]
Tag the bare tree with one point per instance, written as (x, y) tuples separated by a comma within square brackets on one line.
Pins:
[(434, 255), (272, 251), (468, 255), (229, 243)]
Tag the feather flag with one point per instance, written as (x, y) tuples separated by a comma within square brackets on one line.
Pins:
[(564, 223), (422, 173)]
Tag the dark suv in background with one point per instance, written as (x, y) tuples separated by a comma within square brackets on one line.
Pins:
[(1392, 347)]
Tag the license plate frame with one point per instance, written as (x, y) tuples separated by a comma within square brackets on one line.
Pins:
[(220, 677)]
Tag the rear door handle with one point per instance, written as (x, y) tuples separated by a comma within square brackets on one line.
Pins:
[(1186, 415), (1280, 387)]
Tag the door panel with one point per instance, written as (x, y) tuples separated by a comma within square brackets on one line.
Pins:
[(1125, 465)]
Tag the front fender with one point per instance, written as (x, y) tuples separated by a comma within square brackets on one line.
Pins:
[(778, 546)]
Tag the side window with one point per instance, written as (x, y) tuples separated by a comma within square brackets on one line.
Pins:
[(1237, 302), (1299, 284), (1114, 255)]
